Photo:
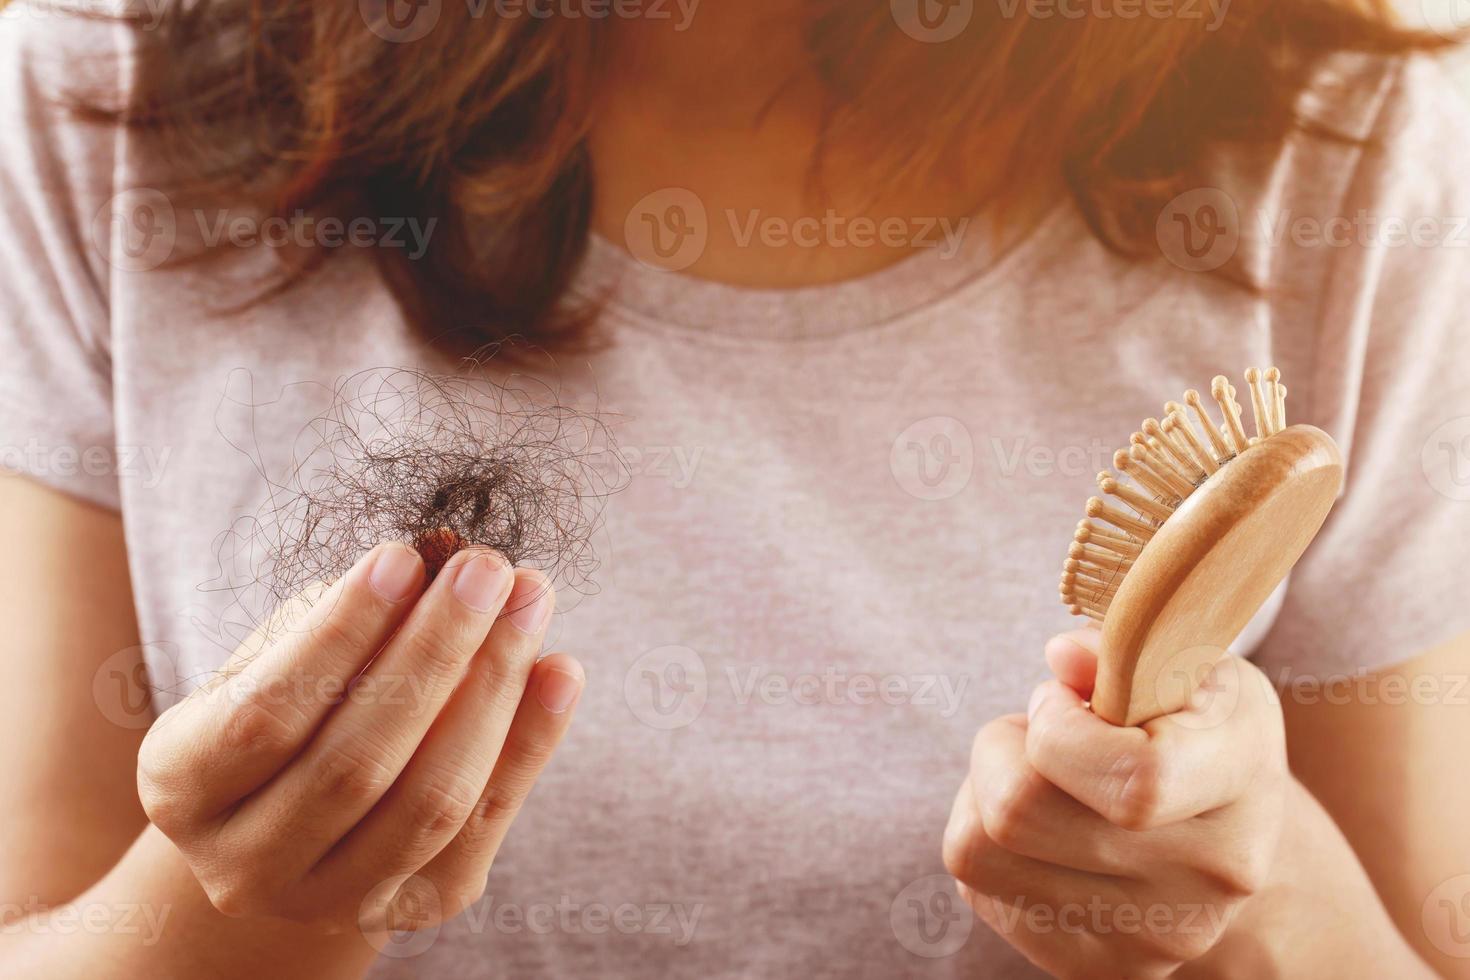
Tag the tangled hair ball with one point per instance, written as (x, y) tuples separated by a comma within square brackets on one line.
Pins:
[(438, 462)]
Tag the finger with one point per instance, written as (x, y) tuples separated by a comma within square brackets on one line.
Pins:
[(1021, 811), (1072, 658), (442, 783), (543, 718), (1168, 770), (365, 744), (232, 738), (1025, 814), (1050, 914), (978, 861)]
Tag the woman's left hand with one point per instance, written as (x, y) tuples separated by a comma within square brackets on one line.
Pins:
[(1125, 852)]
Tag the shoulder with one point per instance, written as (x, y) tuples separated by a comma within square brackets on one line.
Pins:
[(1380, 138), (61, 168), (54, 59), (1426, 99), (1412, 116), (54, 46), (1376, 163)]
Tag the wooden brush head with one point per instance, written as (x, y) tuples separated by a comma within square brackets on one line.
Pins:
[(1216, 524)]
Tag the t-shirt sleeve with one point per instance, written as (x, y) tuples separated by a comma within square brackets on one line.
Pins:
[(1390, 380), (56, 419)]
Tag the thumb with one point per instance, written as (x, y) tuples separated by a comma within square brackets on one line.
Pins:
[(1072, 658)]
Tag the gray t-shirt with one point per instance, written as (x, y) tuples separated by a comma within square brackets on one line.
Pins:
[(837, 551)]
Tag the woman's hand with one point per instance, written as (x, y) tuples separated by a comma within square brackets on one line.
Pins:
[(1121, 852), (362, 769)]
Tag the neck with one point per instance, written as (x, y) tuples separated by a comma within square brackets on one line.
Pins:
[(719, 130)]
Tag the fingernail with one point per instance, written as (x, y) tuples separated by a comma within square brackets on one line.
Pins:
[(395, 572), (480, 582), (530, 603), (1038, 698), (557, 690)]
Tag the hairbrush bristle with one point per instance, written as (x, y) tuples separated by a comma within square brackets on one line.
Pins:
[(1224, 395), (1166, 460), (1149, 453)]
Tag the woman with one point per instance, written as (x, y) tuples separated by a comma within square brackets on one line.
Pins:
[(865, 293)]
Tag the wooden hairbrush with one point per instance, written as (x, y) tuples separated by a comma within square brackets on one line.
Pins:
[(1215, 520)]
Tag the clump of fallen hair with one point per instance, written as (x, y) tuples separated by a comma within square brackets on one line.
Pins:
[(437, 462)]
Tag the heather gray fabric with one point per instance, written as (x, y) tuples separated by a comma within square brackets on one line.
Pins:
[(837, 554)]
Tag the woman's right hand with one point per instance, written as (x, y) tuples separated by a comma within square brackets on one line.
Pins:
[(361, 770)]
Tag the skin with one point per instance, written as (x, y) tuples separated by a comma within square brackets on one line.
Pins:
[(1222, 825), (278, 827), (1197, 817), (262, 840), (730, 110), (1317, 848)]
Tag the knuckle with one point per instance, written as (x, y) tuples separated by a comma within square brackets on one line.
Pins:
[(956, 853), (1254, 872), (162, 809), (1136, 802), (441, 808), (1044, 733), (254, 725), (1011, 808), (242, 875), (478, 839), (438, 647), (155, 759), (496, 807), (344, 628), (351, 773), (237, 896), (1237, 875), (501, 681), (514, 777), (963, 849), (493, 812), (991, 732), (161, 790)]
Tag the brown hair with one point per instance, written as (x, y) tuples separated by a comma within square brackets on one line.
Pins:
[(481, 123)]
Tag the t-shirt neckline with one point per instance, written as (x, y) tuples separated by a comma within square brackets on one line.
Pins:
[(651, 296)]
